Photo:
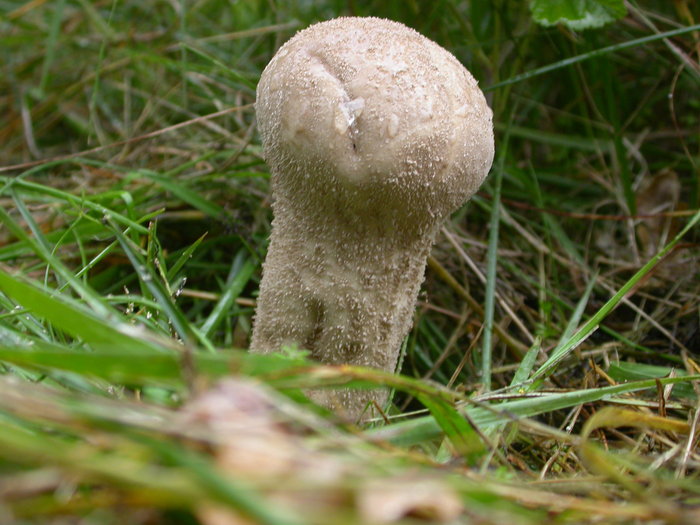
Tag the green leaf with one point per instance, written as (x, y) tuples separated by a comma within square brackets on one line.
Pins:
[(577, 14)]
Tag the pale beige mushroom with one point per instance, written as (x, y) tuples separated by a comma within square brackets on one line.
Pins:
[(374, 135)]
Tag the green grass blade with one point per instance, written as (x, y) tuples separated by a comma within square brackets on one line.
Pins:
[(492, 263), (29, 219), (100, 332), (35, 229), (146, 367), (235, 74), (172, 271), (78, 202), (490, 293), (586, 56), (107, 34), (95, 302), (612, 96), (527, 364), (229, 295), (625, 372), (186, 194), (54, 31), (593, 322), (556, 231), (426, 428), (148, 277), (116, 367), (562, 349)]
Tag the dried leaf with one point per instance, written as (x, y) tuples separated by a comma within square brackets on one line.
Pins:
[(390, 500)]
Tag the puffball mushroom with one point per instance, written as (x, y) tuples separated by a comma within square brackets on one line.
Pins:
[(374, 135)]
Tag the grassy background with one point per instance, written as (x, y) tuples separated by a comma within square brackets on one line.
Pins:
[(135, 211)]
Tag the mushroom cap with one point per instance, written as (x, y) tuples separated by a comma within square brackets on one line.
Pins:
[(374, 109)]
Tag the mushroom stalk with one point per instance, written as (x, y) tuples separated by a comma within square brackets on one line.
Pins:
[(374, 135)]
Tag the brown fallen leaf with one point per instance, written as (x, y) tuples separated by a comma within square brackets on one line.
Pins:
[(389, 500)]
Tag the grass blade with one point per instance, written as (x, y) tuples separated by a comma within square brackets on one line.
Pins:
[(100, 332), (586, 56), (593, 322), (89, 296), (148, 277), (79, 202), (559, 353), (425, 428), (184, 193), (492, 262), (172, 271), (527, 364), (230, 294), (456, 427)]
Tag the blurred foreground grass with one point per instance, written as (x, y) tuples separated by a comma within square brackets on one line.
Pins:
[(135, 211)]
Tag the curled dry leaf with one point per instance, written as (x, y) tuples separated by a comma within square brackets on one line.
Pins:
[(261, 445), (388, 501), (250, 434), (254, 443)]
